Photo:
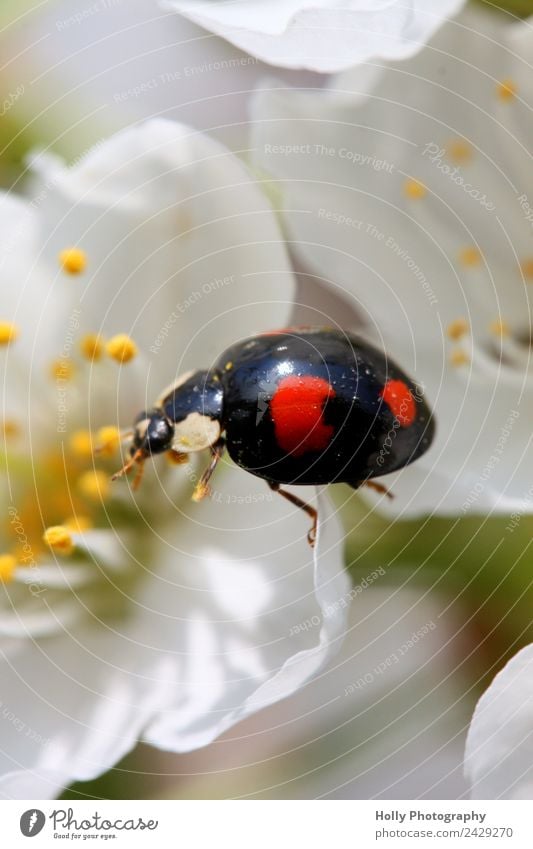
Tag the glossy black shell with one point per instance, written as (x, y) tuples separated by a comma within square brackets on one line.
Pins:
[(367, 440)]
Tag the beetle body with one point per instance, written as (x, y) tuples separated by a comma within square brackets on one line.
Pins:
[(295, 406), (317, 407)]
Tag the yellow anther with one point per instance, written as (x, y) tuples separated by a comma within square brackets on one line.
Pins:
[(414, 189), (526, 267), (459, 150), (506, 89), (459, 357), (62, 370), (81, 443), (9, 428), (499, 327), (59, 539), (8, 564), (73, 260), (78, 524), (94, 484), (8, 332), (228, 366), (457, 328), (470, 256), (92, 346), (121, 348), (108, 440)]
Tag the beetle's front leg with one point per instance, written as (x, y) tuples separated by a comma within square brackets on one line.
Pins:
[(202, 487)]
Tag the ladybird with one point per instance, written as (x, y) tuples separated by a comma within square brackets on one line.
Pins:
[(301, 406)]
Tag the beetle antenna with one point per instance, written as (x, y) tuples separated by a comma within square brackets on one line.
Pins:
[(138, 457)]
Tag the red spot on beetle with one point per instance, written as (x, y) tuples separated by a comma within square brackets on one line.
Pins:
[(297, 410), (400, 401)]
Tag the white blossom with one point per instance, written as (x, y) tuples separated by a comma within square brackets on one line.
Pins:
[(150, 618)]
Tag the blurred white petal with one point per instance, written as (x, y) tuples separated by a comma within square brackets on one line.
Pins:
[(207, 641), (322, 35), (417, 239), (499, 746)]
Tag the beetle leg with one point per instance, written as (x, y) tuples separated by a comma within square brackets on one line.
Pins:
[(311, 536), (202, 487), (378, 487), (138, 457)]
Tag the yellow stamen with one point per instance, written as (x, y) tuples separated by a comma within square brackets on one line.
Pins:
[(94, 484), (73, 260), (470, 256), (81, 443), (26, 554), (108, 440), (8, 564), (499, 327), (459, 150), (526, 267), (92, 346), (121, 348), (62, 370), (78, 524), (9, 428), (506, 89), (8, 332), (459, 357), (228, 366), (59, 539), (414, 189), (457, 328)]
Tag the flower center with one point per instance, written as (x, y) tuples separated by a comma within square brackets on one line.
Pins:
[(60, 555)]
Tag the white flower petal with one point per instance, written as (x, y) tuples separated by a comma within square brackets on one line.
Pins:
[(181, 246), (321, 35), (243, 649), (28, 785), (69, 710), (499, 746), (208, 640), (343, 163)]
